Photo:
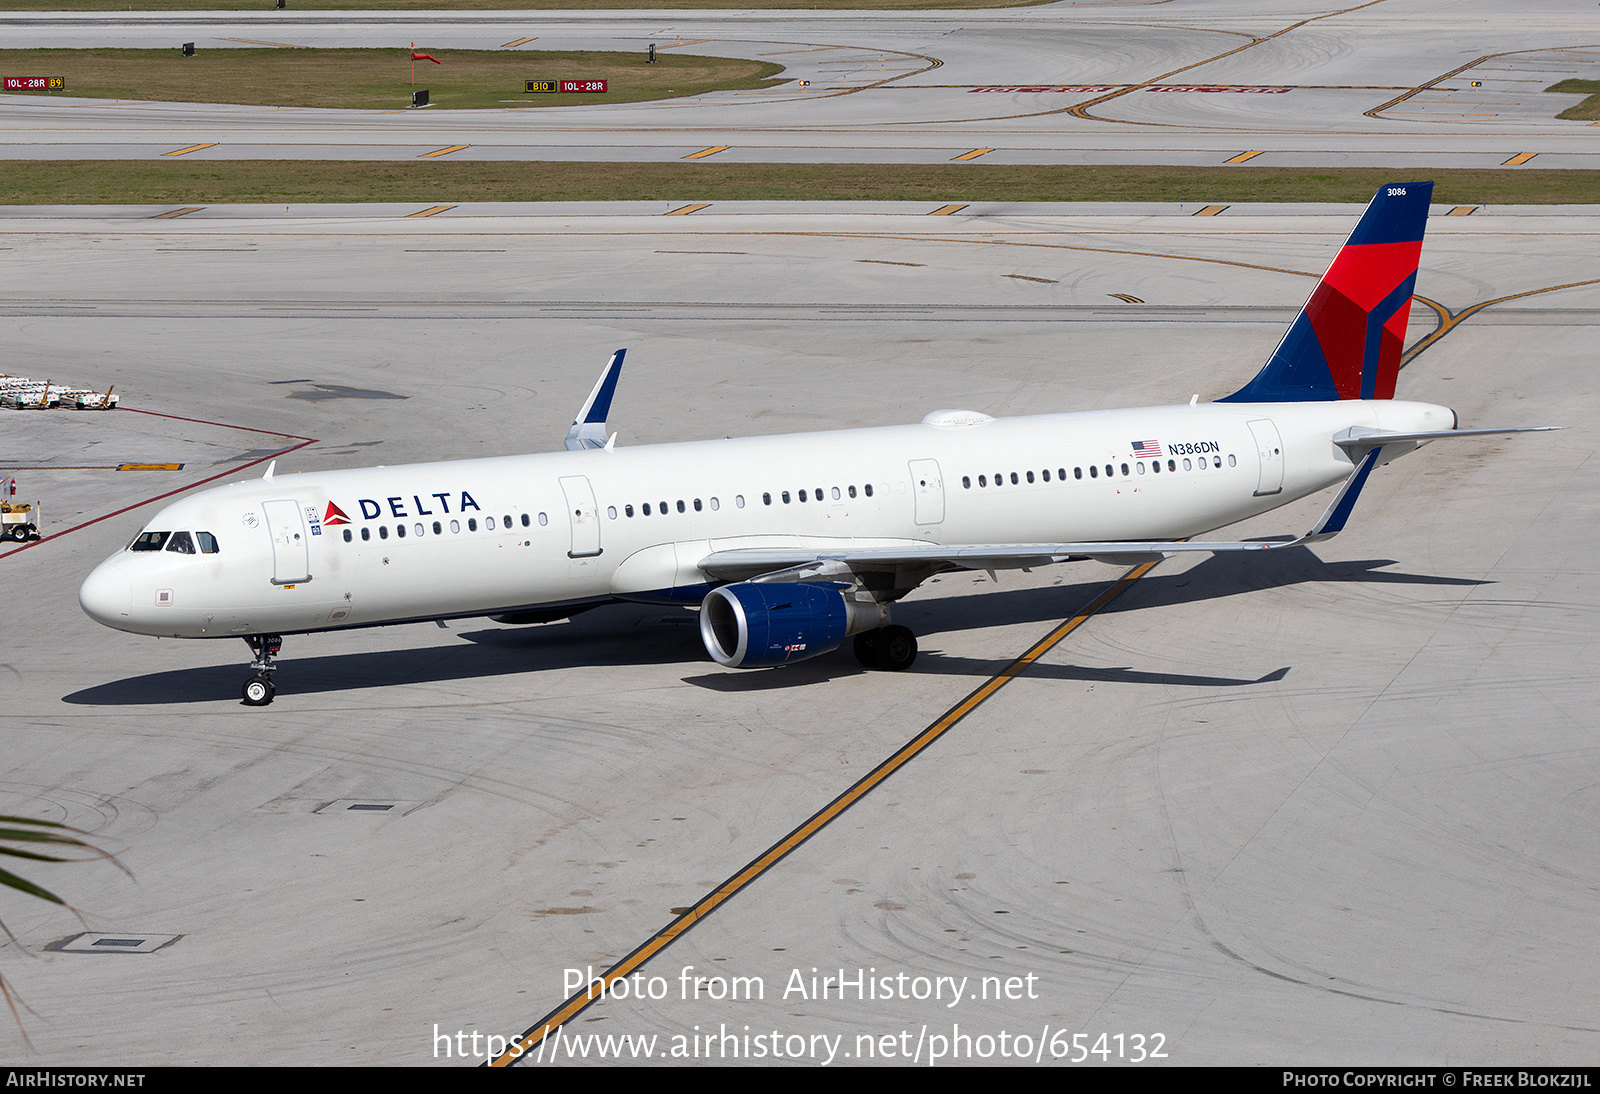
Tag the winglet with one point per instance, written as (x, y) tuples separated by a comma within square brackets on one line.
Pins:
[(589, 427), (270, 468)]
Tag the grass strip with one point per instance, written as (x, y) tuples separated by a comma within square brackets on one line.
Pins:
[(1586, 111), (99, 182), (379, 79)]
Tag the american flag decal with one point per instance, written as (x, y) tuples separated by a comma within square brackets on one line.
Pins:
[(1141, 449)]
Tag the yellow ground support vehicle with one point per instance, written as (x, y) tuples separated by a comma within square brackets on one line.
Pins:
[(19, 521)]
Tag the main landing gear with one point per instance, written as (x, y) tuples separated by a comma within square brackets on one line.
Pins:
[(892, 648), (258, 690)]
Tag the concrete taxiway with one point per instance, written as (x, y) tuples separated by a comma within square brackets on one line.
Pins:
[(1395, 83), (1325, 806)]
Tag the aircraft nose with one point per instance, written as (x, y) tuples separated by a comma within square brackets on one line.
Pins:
[(107, 595)]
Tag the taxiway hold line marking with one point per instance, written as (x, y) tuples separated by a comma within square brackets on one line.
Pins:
[(1211, 210), (520, 42), (432, 211), (946, 210), (171, 214), (1462, 211), (443, 151), (972, 155), (191, 148), (685, 210), (704, 152), (1520, 157), (818, 820), (1242, 157), (1080, 110)]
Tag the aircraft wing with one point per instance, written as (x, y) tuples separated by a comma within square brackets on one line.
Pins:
[(813, 564)]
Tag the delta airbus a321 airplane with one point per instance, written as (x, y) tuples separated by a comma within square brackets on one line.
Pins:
[(792, 544)]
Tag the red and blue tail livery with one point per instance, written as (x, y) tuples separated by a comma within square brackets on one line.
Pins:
[(1346, 341)]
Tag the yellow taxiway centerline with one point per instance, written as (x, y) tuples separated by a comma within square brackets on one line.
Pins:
[(578, 1002)]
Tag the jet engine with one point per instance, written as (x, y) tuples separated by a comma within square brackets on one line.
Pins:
[(757, 624)]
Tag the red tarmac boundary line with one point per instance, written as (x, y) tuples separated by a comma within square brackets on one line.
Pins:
[(304, 441)]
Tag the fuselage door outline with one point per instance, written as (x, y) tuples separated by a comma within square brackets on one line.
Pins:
[(583, 515), (928, 490), (291, 552), (1269, 447)]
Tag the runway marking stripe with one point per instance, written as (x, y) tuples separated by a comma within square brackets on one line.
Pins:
[(182, 489), (946, 210), (1242, 157), (520, 42), (1025, 277), (433, 211), (972, 155), (704, 152), (1210, 210), (1126, 298), (692, 42), (443, 151), (191, 148), (171, 214), (685, 210), (1520, 157), (149, 467), (577, 1003)]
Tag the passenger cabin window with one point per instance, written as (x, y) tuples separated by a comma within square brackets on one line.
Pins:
[(149, 541), (868, 489), (366, 533), (347, 536)]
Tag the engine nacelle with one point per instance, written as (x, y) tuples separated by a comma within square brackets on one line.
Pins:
[(757, 624)]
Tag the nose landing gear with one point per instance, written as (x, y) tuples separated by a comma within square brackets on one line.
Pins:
[(259, 690)]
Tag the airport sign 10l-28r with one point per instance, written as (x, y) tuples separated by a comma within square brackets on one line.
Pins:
[(34, 83), (565, 85)]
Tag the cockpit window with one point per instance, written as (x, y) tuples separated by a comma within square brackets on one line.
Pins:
[(182, 543), (208, 543), (149, 541)]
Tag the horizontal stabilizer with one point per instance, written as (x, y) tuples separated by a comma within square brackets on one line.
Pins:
[(1359, 438), (589, 427)]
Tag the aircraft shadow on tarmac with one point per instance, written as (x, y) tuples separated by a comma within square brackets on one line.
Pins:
[(603, 637)]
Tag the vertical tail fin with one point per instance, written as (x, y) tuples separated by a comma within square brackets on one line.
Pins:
[(1346, 341)]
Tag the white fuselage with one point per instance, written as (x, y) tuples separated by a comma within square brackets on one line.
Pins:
[(491, 536)]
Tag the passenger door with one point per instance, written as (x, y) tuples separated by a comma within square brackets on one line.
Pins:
[(291, 556)]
